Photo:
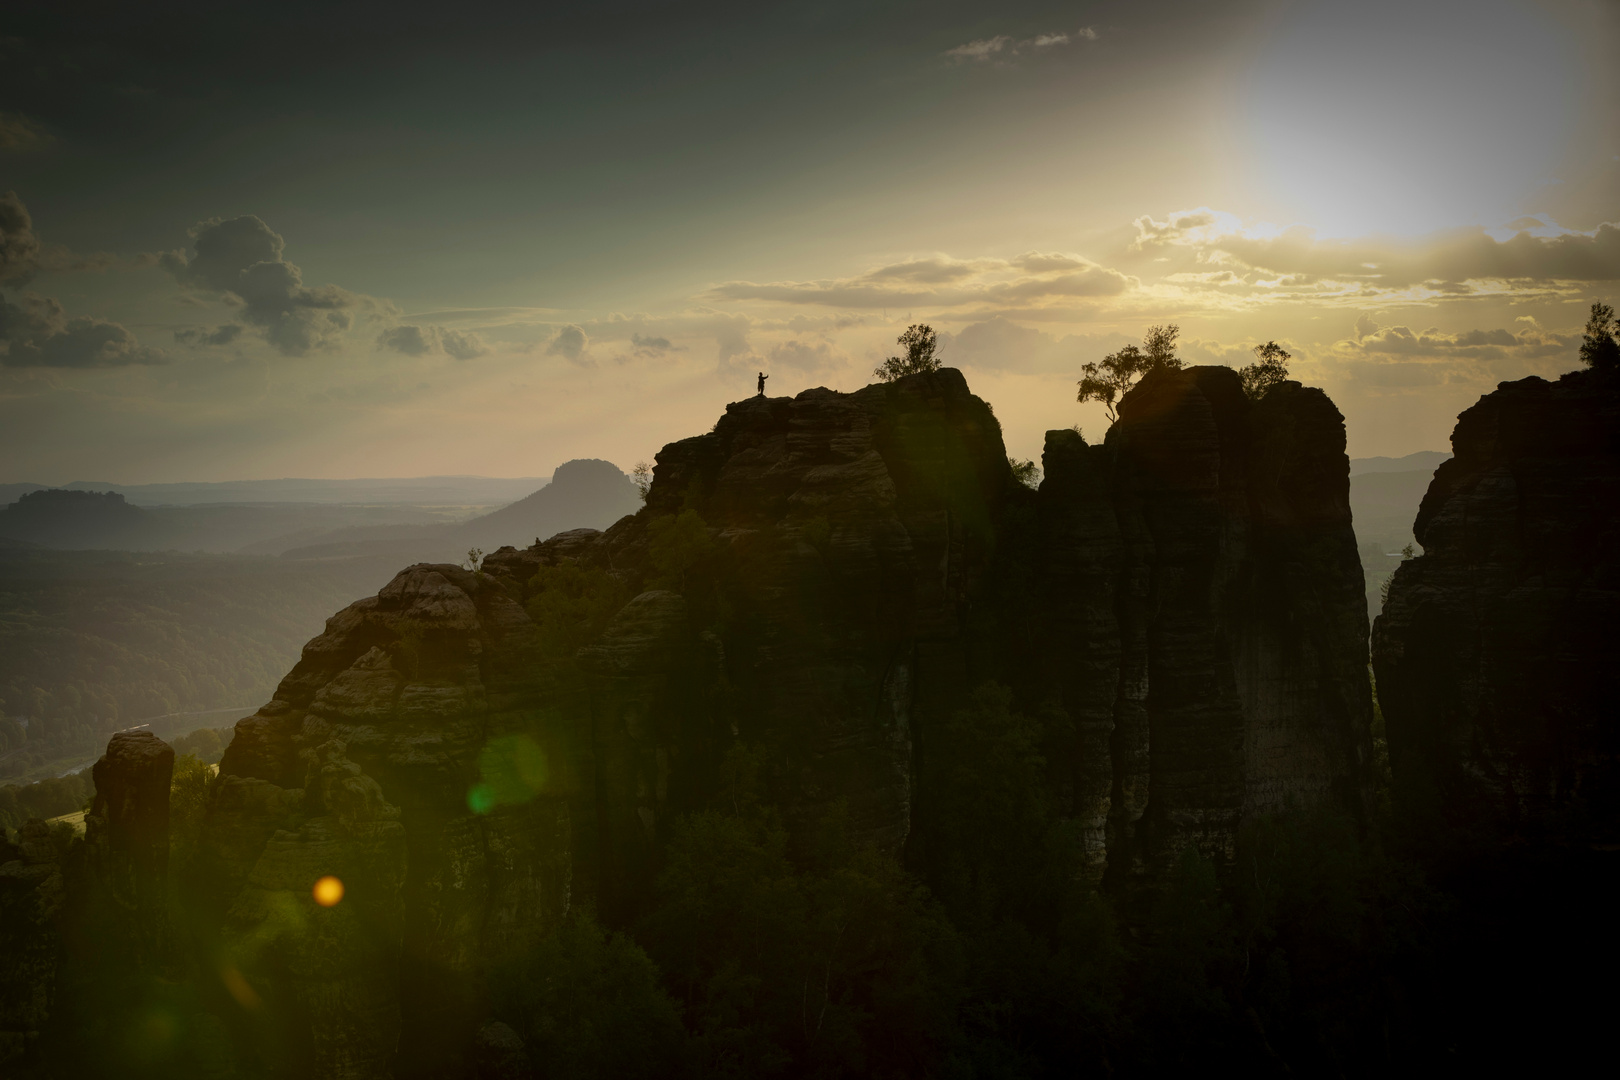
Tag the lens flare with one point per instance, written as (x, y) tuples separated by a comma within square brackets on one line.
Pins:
[(328, 891)]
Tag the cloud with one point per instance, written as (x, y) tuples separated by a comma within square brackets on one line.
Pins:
[(653, 344), (197, 335), (242, 258), (1531, 342), (421, 340), (1005, 49), (19, 246), (983, 49), (944, 283), (462, 344), (570, 342), (410, 340), (807, 357), (20, 134), (1212, 250), (41, 335)]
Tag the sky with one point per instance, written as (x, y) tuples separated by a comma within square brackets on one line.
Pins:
[(255, 241)]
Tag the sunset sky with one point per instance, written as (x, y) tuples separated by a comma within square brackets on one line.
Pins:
[(293, 242)]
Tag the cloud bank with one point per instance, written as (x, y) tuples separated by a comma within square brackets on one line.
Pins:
[(413, 340), (40, 334), (241, 258)]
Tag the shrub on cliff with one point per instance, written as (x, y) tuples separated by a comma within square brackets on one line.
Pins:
[(1112, 377), (1269, 368), (1599, 350), (921, 344)]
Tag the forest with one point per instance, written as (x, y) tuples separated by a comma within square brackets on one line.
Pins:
[(95, 641)]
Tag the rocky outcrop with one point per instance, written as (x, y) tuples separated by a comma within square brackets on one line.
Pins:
[(1494, 652), (825, 580), (378, 762), (1203, 588), (31, 903), (127, 839)]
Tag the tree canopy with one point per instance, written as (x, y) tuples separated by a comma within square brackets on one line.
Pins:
[(1108, 380), (921, 345), (1269, 369), (1599, 349)]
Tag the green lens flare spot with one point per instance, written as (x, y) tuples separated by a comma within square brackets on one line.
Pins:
[(512, 770)]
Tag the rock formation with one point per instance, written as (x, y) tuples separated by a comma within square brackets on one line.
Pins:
[(31, 901), (1494, 653), (127, 835), (1205, 595), (827, 577), (367, 766)]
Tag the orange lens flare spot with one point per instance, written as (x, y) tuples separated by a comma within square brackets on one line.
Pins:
[(328, 891)]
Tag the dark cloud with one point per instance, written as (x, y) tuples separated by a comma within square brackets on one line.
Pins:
[(656, 344), (197, 335), (1445, 263), (410, 340), (942, 282), (1404, 343), (570, 342), (462, 344), (242, 258), (20, 134), (41, 335), (19, 246), (421, 340)]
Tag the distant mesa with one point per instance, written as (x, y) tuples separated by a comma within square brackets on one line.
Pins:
[(54, 517), (584, 493)]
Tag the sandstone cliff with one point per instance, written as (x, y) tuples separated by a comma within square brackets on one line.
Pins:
[(826, 577), (1494, 652), (1205, 615)]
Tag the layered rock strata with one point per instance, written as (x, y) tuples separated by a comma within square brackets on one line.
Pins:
[(823, 579), (31, 903), (127, 838), (1204, 601), (1495, 650), (373, 764)]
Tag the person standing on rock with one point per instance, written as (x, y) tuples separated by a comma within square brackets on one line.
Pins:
[(762, 378)]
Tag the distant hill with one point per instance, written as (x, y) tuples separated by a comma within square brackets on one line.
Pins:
[(1384, 497), (106, 521), (64, 519), (1422, 461), (586, 493), (406, 490)]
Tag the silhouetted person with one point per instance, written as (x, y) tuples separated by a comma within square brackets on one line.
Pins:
[(762, 378)]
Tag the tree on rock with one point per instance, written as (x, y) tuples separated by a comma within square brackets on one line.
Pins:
[(1599, 349), (1269, 369), (921, 348), (1108, 380)]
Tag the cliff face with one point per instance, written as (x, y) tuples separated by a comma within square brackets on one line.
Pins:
[(1205, 592), (1494, 653), (31, 902), (826, 577), (372, 764)]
